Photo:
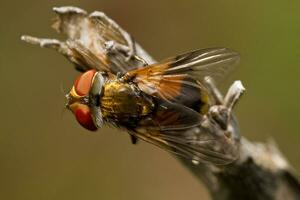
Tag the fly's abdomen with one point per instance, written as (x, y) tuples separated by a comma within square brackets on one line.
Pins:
[(196, 98)]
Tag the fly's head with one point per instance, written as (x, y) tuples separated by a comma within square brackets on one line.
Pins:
[(84, 99)]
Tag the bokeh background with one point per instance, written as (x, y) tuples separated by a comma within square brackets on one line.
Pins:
[(45, 154)]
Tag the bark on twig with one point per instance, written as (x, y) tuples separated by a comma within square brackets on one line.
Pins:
[(259, 172)]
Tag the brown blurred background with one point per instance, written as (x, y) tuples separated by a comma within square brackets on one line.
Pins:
[(46, 155)]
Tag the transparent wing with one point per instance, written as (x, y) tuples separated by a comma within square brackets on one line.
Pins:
[(107, 47), (169, 117), (177, 77), (193, 150), (86, 59), (213, 62), (178, 129)]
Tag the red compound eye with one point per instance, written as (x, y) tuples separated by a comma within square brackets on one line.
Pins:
[(83, 116), (83, 83)]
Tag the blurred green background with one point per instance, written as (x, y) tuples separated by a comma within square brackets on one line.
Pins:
[(46, 155)]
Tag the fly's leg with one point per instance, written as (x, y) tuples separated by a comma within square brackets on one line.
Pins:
[(133, 139), (140, 60)]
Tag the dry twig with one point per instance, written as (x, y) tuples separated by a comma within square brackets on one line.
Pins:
[(259, 171)]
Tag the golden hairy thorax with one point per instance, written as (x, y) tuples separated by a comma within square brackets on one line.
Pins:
[(123, 102)]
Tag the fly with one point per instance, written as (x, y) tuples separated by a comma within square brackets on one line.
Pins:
[(171, 104)]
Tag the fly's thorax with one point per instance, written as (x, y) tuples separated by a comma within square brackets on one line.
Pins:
[(124, 101), (198, 99)]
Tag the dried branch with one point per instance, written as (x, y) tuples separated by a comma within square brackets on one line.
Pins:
[(259, 171)]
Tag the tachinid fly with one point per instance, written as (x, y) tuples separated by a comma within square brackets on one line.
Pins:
[(168, 104), (156, 103)]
